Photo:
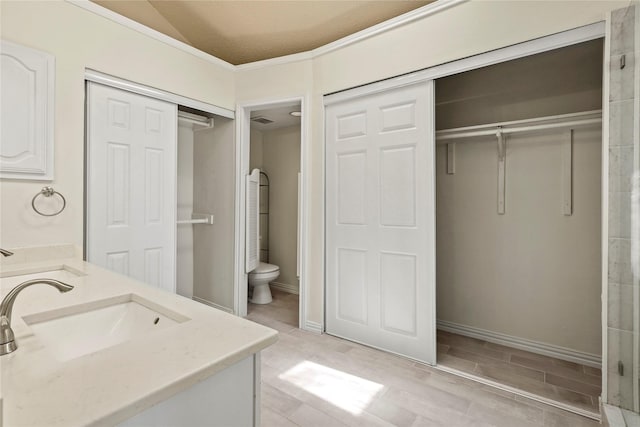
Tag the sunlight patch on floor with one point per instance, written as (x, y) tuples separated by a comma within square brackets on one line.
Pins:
[(346, 391)]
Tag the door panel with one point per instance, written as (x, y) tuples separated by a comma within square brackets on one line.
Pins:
[(380, 225), (131, 178)]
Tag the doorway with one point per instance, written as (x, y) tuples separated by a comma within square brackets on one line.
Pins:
[(272, 145), (275, 151)]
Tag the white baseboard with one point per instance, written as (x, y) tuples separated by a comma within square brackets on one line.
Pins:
[(612, 416), (312, 327), (213, 304), (285, 287), (537, 347)]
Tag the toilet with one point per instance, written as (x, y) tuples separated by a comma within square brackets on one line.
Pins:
[(259, 279)]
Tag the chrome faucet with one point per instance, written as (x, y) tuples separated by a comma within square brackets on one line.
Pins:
[(5, 252), (7, 339)]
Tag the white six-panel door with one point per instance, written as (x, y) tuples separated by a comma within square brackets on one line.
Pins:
[(131, 184), (380, 225)]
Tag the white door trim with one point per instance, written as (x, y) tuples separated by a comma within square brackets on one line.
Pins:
[(528, 48), (243, 129), (151, 92), (606, 75)]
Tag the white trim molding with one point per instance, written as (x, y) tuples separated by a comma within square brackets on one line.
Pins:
[(313, 327), (383, 27), (604, 210), (286, 59), (537, 347), (496, 384), (212, 304), (150, 32), (285, 287), (140, 89), (390, 24)]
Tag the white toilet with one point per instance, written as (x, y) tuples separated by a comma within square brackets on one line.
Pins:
[(259, 279)]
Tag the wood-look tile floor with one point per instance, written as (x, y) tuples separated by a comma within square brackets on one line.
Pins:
[(319, 380), (567, 382)]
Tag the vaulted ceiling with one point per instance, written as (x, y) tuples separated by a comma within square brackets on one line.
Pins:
[(240, 31)]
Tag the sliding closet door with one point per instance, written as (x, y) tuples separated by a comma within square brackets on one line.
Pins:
[(131, 185), (380, 226)]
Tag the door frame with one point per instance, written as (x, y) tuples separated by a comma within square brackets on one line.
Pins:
[(243, 149), (543, 44)]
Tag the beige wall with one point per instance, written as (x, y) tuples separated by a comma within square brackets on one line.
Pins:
[(255, 157), (79, 39), (184, 232), (281, 162), (214, 193), (531, 273)]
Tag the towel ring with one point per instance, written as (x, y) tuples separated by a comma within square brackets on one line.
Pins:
[(48, 192)]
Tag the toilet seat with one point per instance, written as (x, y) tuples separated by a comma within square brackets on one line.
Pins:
[(263, 267)]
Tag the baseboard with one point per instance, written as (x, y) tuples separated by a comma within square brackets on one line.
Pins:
[(519, 392), (612, 416), (312, 327), (537, 347), (285, 287), (213, 304)]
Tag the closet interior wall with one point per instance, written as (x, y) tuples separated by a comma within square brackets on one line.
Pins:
[(184, 233), (204, 185), (532, 273), (213, 193)]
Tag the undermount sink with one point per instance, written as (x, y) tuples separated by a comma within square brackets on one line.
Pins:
[(79, 330)]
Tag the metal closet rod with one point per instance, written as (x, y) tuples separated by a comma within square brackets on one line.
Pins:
[(528, 125), (195, 119)]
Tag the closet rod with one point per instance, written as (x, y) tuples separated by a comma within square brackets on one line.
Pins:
[(195, 119), (541, 123)]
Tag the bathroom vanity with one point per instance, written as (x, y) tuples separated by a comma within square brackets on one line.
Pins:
[(114, 351)]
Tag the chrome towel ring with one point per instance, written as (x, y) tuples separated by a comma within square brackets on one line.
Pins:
[(48, 192)]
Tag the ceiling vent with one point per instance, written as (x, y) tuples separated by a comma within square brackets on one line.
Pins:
[(261, 119)]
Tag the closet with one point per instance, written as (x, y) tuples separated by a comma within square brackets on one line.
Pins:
[(463, 218), (205, 212), (518, 223), (159, 186)]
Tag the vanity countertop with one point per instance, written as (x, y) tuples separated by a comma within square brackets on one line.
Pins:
[(113, 384)]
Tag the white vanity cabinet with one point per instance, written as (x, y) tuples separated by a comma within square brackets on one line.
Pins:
[(26, 121), (201, 370), (229, 398)]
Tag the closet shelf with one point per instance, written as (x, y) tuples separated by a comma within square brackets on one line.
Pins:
[(564, 122), (570, 121)]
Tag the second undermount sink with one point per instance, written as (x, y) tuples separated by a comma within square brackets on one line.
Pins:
[(79, 330), (60, 272)]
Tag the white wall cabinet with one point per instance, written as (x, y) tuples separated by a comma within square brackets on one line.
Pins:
[(26, 115)]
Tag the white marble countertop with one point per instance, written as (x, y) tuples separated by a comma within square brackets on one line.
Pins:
[(111, 385)]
